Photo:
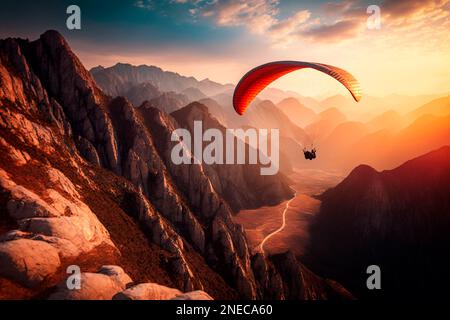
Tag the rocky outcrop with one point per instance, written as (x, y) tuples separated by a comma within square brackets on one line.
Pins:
[(147, 291), (282, 277), (28, 262), (153, 291), (111, 282), (103, 285)]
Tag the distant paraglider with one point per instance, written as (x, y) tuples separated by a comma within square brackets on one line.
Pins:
[(254, 81)]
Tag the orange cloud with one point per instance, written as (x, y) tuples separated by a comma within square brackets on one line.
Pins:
[(337, 31)]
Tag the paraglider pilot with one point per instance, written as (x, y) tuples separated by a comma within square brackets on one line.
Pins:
[(309, 155)]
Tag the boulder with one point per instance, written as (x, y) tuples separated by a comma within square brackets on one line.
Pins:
[(193, 295), (95, 286), (148, 291), (154, 291), (28, 262)]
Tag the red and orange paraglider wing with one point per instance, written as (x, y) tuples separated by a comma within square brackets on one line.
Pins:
[(260, 77)]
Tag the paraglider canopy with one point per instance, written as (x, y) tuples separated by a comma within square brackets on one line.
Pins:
[(254, 81)]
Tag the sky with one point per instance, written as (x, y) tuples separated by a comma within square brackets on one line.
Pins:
[(408, 53)]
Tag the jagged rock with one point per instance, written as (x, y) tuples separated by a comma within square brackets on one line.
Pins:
[(95, 286), (65, 78), (88, 150), (28, 262), (269, 280), (116, 273), (142, 166), (59, 217)]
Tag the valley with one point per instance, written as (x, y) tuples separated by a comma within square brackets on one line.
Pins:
[(263, 226)]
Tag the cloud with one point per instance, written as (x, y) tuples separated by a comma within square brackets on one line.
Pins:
[(405, 9), (333, 8), (333, 21), (393, 12), (145, 4), (260, 17), (337, 31), (287, 26), (403, 21), (256, 15)]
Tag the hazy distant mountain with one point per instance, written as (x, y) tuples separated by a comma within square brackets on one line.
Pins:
[(404, 103), (370, 106), (384, 142), (390, 120), (194, 94), (327, 121), (277, 95), (386, 149), (363, 110), (260, 114), (273, 94), (438, 107), (267, 115), (141, 92), (297, 112), (397, 219), (342, 137), (168, 101)]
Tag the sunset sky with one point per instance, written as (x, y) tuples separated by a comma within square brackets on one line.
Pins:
[(221, 40)]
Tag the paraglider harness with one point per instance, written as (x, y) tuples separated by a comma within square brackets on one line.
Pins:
[(309, 155)]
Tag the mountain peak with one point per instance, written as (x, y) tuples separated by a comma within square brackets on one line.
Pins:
[(97, 69), (194, 109), (53, 34), (290, 101), (266, 104), (363, 170)]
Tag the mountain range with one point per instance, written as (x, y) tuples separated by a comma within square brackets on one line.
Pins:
[(85, 181), (382, 132)]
